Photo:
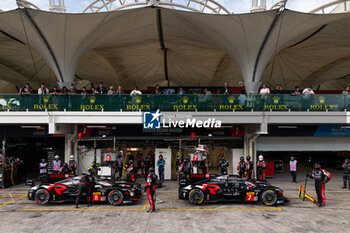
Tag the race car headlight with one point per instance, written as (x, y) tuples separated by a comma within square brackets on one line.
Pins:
[(188, 187), (132, 194)]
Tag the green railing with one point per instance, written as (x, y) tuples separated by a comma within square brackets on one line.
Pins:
[(174, 103)]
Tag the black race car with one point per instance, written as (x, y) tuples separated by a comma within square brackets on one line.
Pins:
[(116, 193), (232, 189)]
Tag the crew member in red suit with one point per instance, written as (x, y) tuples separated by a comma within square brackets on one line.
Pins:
[(249, 167), (321, 177), (260, 168), (150, 189)]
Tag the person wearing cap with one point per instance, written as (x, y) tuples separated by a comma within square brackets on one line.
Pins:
[(260, 168), (72, 165), (131, 169), (321, 177), (56, 165), (293, 169), (150, 188)]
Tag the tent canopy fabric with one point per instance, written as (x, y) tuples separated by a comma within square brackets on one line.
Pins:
[(148, 46)]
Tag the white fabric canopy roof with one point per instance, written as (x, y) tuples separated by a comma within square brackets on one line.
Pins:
[(129, 47)]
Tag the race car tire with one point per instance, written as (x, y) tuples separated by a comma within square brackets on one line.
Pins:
[(115, 197), (269, 197), (42, 196), (196, 196)]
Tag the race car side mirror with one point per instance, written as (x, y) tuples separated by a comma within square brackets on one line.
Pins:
[(30, 183)]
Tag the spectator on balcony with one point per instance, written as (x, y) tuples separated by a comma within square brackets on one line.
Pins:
[(101, 90), (296, 91), (64, 90), (26, 90), (72, 90), (226, 90), (242, 98), (346, 90), (43, 90), (181, 91), (156, 90), (264, 90), (308, 91), (206, 91), (93, 91), (110, 91), (136, 91), (119, 91), (55, 91), (279, 90), (84, 91)]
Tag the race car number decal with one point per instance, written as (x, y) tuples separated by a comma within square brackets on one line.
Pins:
[(96, 196), (250, 196)]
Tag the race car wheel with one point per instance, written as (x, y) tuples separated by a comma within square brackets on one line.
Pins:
[(42, 196), (115, 197), (269, 197), (196, 196)]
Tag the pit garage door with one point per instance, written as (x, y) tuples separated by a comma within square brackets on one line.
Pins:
[(303, 144)]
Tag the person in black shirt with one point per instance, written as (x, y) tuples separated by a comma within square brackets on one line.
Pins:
[(156, 90), (85, 185), (26, 90), (226, 90), (101, 89)]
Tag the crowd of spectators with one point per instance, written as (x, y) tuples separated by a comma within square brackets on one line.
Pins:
[(157, 90)]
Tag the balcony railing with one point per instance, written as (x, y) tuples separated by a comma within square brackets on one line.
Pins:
[(174, 103)]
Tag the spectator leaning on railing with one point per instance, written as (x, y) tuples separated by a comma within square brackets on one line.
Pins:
[(93, 91), (181, 91), (55, 91), (226, 90), (101, 89), (308, 91), (43, 90), (110, 91), (264, 90), (84, 91), (296, 91), (156, 90), (26, 90), (346, 90), (119, 91), (279, 89), (136, 91), (72, 90), (64, 91)]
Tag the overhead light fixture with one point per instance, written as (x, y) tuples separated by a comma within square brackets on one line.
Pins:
[(30, 126), (287, 126), (345, 127), (96, 126), (133, 149)]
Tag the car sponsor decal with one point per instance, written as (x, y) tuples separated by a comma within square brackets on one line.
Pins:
[(212, 188), (57, 187)]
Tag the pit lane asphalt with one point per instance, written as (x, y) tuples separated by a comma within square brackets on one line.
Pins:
[(174, 215)]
